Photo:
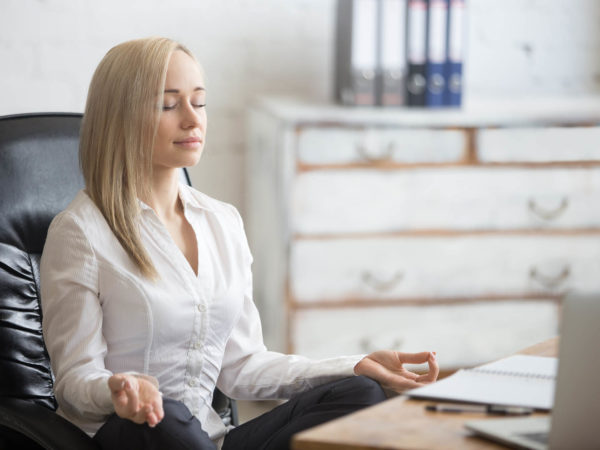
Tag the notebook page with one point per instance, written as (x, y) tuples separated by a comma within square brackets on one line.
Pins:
[(525, 365), (519, 380)]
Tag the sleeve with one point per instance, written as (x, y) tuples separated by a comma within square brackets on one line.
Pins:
[(72, 321), (249, 371)]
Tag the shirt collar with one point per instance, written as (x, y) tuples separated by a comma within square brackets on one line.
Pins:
[(187, 199), (192, 201)]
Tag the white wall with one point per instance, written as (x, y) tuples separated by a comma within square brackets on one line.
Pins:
[(49, 49)]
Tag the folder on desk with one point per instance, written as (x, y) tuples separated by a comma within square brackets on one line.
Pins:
[(416, 52), (356, 52), (436, 52), (392, 39), (519, 380), (454, 63)]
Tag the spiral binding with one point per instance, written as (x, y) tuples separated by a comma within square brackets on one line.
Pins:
[(512, 373)]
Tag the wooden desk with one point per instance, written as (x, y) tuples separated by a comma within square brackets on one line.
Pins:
[(402, 423)]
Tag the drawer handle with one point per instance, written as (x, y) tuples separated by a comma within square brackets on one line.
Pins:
[(397, 344), (548, 214), (550, 282), (382, 285), (366, 346), (385, 156)]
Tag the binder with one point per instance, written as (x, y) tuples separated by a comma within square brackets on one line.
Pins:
[(456, 44), (392, 55), (416, 82), (356, 52), (436, 52)]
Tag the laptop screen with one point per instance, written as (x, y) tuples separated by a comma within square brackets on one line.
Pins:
[(576, 412)]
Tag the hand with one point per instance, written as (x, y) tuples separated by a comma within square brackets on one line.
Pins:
[(136, 399), (386, 367)]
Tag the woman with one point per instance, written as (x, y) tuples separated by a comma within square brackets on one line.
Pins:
[(147, 290)]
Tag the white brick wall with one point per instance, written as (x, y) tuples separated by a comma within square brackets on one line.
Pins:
[(49, 49)]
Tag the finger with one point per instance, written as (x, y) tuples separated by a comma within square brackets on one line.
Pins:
[(158, 409), (414, 358), (116, 383), (133, 401), (142, 415), (152, 416), (401, 384), (120, 398), (396, 382), (152, 419), (434, 370), (410, 375), (138, 418)]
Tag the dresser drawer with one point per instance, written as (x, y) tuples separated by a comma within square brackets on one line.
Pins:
[(540, 144), (337, 145), (442, 267), (366, 200), (462, 334)]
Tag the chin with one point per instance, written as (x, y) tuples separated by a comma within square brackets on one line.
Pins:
[(195, 159), (188, 160)]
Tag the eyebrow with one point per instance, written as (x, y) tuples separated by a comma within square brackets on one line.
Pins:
[(176, 91)]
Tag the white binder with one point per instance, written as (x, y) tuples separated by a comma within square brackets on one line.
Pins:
[(356, 52), (392, 40)]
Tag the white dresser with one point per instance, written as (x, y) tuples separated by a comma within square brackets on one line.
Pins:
[(453, 231)]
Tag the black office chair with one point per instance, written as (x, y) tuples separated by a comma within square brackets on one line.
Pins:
[(39, 175)]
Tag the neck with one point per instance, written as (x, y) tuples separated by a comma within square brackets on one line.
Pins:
[(164, 198)]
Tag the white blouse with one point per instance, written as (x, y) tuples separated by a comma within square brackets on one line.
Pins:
[(191, 332)]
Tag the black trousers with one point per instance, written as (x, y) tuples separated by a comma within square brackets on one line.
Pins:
[(271, 431)]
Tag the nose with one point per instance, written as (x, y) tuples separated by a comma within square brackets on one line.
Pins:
[(191, 117)]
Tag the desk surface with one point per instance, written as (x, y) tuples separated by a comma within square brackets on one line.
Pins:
[(401, 423)]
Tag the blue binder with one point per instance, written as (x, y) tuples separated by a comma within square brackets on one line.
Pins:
[(454, 63), (436, 52)]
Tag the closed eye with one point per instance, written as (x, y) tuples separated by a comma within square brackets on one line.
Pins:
[(169, 108)]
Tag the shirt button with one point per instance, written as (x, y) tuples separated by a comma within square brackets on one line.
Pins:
[(198, 345), (201, 307), (192, 382)]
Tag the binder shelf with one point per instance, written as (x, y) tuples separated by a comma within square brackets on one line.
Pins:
[(457, 232)]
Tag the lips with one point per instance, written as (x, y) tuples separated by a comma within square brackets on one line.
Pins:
[(190, 140)]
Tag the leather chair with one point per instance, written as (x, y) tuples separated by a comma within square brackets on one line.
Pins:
[(39, 175)]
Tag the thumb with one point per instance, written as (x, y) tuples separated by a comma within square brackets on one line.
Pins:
[(116, 383)]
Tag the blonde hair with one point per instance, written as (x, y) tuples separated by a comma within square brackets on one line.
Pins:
[(117, 136)]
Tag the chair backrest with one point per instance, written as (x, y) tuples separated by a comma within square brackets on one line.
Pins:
[(39, 176)]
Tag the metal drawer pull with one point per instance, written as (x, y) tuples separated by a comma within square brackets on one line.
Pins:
[(550, 282), (397, 344), (382, 285), (385, 156), (547, 214), (366, 346)]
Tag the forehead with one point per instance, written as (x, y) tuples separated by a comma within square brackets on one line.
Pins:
[(183, 72)]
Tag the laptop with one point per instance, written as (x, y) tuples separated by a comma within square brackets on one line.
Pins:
[(575, 419)]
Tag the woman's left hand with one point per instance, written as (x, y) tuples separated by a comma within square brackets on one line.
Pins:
[(387, 367)]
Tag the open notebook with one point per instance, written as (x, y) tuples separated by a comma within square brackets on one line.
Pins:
[(519, 380)]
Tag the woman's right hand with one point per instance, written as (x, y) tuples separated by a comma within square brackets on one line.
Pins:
[(136, 399)]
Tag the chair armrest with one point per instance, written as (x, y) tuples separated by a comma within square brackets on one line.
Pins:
[(43, 426), (226, 408)]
